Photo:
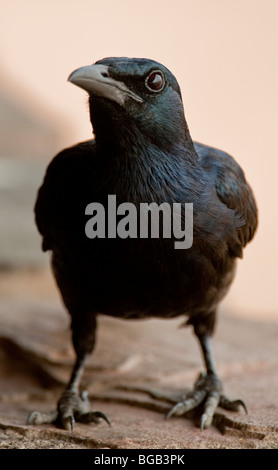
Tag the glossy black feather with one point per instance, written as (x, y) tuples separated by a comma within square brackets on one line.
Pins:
[(144, 154)]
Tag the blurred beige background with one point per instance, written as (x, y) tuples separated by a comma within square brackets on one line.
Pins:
[(224, 55)]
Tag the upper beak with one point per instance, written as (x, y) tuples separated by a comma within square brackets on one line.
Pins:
[(95, 80)]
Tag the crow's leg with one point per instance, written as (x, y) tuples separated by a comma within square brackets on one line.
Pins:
[(207, 391), (73, 406)]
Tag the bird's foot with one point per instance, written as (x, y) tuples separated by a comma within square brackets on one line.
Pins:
[(71, 407), (208, 393)]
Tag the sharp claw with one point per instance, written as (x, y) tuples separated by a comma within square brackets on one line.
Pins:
[(206, 420), (169, 414), (173, 410), (68, 422), (99, 414), (232, 405), (72, 423), (192, 400), (203, 422), (241, 402)]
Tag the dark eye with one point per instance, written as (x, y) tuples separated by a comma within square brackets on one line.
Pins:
[(155, 81)]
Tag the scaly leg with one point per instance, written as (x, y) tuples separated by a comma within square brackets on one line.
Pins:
[(73, 406), (207, 390)]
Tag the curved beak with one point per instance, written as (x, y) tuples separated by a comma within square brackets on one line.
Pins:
[(95, 80)]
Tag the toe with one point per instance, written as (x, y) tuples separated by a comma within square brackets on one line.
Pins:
[(42, 418), (68, 422), (232, 405), (93, 417), (210, 406), (191, 401), (35, 418)]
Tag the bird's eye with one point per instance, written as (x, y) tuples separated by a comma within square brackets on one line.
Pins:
[(155, 81)]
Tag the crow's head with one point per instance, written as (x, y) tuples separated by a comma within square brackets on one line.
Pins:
[(133, 95)]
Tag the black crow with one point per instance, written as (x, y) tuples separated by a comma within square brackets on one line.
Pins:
[(142, 153)]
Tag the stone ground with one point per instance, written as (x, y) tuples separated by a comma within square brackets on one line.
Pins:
[(130, 357)]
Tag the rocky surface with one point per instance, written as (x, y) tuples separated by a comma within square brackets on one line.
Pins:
[(130, 357)]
